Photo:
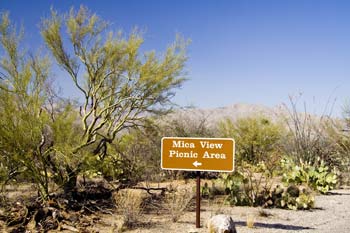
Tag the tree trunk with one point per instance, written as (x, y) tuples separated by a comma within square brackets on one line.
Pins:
[(70, 186)]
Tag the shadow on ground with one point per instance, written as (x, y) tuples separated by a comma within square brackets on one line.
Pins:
[(275, 226), (335, 193)]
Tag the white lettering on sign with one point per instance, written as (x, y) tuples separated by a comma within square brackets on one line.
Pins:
[(182, 144), (213, 156), (206, 144), (177, 154)]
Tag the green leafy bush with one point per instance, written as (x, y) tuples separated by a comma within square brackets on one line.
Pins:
[(256, 138), (319, 178), (250, 187), (233, 183)]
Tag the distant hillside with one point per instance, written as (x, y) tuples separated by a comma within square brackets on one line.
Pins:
[(233, 112)]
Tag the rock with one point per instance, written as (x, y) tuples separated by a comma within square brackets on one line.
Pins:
[(221, 224)]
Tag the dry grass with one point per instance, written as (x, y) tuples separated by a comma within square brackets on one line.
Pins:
[(129, 204), (250, 221), (178, 201), (217, 205)]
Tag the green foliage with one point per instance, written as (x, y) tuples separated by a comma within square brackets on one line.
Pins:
[(139, 153), (49, 139), (256, 138), (240, 193), (139, 149), (233, 183), (24, 119), (118, 83), (251, 186), (205, 191), (255, 186), (319, 177), (339, 136), (294, 199), (257, 156)]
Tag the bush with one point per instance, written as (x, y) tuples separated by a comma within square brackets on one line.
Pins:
[(178, 201), (139, 149), (311, 137), (249, 187), (319, 177), (129, 203), (255, 186), (294, 198), (233, 183), (256, 138)]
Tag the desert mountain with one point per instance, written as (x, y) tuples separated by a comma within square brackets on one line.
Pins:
[(213, 115)]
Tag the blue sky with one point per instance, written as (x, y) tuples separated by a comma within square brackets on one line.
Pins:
[(257, 52)]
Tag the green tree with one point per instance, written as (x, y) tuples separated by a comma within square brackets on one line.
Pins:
[(256, 138), (24, 90), (119, 85)]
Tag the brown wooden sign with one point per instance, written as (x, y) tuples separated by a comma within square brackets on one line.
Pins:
[(198, 154)]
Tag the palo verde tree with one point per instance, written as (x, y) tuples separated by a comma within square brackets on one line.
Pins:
[(24, 90), (119, 85)]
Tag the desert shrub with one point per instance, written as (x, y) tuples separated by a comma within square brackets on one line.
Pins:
[(248, 187), (338, 131), (293, 197), (139, 149), (25, 112), (210, 191), (178, 201), (140, 152), (205, 191), (233, 183), (318, 177), (256, 138), (186, 123), (242, 193), (127, 160), (339, 135), (310, 137), (129, 204), (257, 156), (256, 186)]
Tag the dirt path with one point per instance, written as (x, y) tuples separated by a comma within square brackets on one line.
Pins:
[(332, 214)]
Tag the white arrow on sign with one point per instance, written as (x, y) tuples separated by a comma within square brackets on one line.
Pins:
[(196, 163)]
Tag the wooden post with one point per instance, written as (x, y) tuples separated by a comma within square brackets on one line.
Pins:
[(198, 201)]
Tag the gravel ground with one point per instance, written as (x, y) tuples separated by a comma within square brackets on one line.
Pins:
[(332, 214)]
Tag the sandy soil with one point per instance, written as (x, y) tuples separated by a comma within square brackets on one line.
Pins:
[(332, 214)]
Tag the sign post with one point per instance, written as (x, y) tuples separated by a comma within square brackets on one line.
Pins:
[(198, 154), (198, 200)]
